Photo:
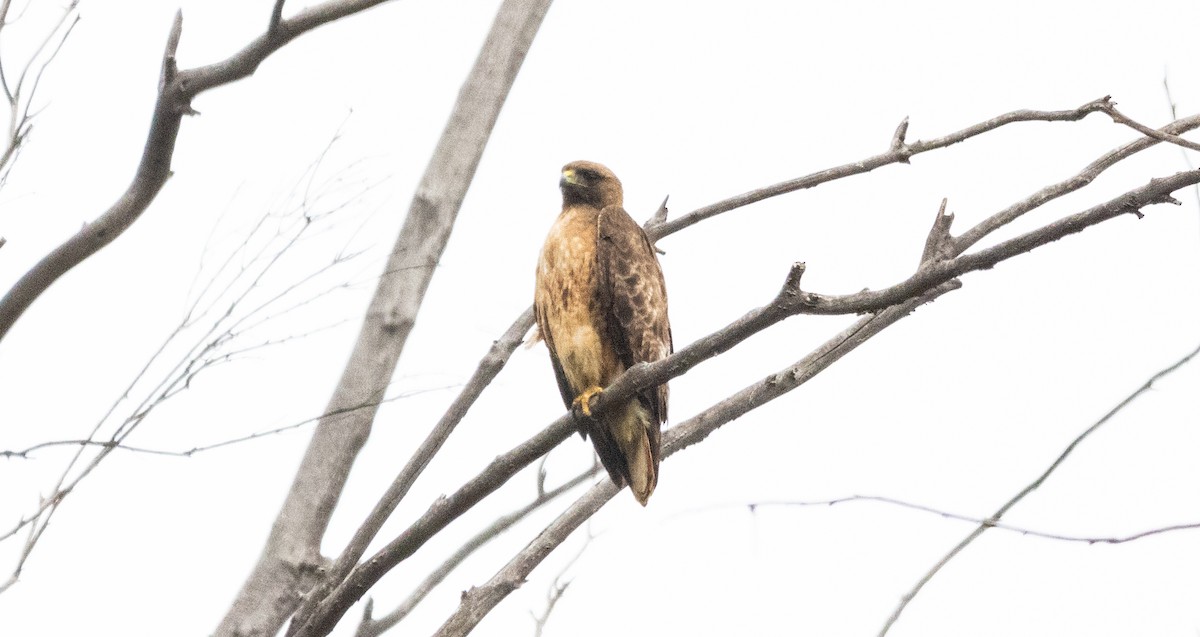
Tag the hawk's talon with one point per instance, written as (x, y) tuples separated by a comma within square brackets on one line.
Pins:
[(581, 401)]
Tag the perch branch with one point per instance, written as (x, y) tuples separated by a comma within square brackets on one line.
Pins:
[(477, 602)]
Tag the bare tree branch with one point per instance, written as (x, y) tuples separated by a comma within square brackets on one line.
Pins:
[(949, 515), (1120, 118), (479, 601), (273, 590), (176, 89), (995, 517), (899, 152)]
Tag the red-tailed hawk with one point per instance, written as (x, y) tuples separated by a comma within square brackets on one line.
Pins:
[(601, 306)]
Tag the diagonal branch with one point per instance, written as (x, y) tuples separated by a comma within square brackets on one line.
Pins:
[(1029, 488), (1120, 118)]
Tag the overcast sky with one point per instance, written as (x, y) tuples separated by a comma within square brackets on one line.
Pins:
[(957, 407)]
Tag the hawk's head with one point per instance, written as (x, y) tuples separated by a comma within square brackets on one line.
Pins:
[(586, 182)]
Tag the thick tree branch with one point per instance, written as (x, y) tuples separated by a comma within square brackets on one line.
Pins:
[(152, 173), (995, 517), (479, 601), (175, 92), (272, 592)]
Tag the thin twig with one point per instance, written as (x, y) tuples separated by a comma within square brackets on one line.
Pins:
[(558, 587), (21, 97), (989, 522), (1187, 160)]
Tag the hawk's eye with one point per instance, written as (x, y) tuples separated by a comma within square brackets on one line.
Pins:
[(589, 174)]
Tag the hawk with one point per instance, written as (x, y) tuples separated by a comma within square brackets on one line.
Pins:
[(601, 306)]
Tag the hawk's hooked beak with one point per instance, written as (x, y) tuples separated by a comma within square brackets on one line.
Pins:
[(568, 178)]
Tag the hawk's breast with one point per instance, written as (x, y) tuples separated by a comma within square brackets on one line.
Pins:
[(566, 293)]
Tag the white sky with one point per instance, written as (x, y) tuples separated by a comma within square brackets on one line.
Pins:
[(957, 407)]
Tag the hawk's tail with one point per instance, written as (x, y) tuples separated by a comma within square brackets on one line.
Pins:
[(625, 449)]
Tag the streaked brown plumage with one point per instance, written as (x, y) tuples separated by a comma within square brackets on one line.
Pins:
[(601, 306)]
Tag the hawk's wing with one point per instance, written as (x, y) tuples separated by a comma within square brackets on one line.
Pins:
[(633, 291), (563, 386)]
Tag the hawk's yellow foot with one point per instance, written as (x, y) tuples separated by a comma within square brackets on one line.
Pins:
[(581, 401)]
